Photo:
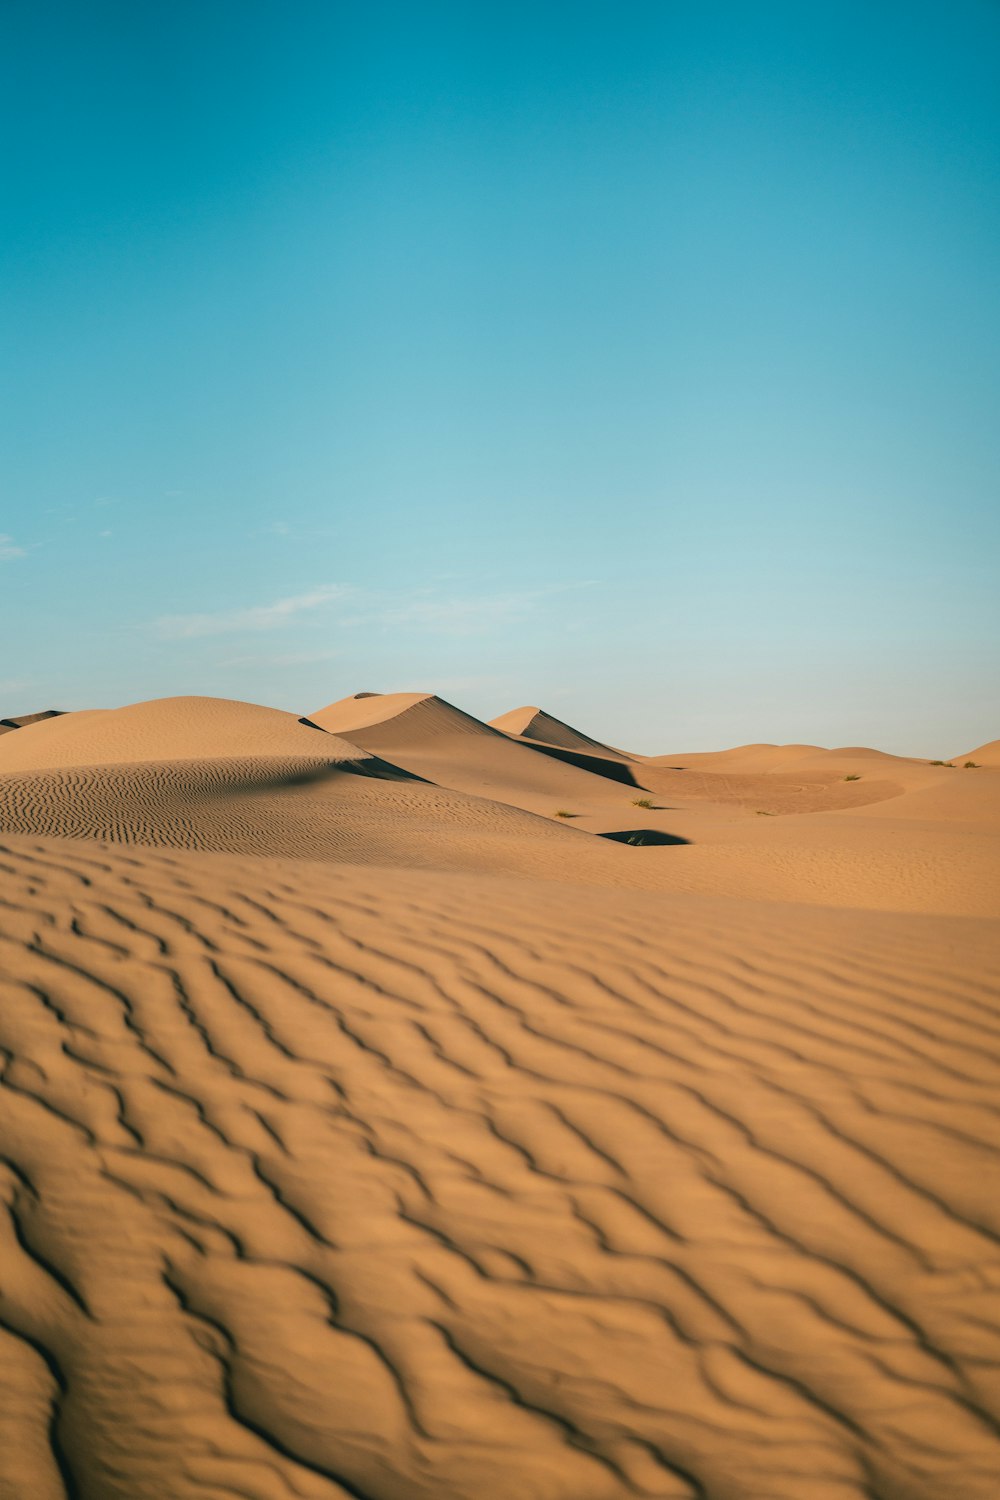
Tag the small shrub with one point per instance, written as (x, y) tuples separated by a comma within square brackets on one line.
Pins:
[(643, 802), (943, 763), (971, 765), (852, 778), (762, 814), (562, 814)]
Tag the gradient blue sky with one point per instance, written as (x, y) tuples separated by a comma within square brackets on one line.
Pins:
[(640, 360)]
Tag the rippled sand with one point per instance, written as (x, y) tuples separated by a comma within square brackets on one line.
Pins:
[(416, 1145)]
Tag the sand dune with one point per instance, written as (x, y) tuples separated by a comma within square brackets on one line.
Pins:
[(550, 736), (435, 740), (535, 724), (307, 809), (167, 729), (373, 1136), (218, 775), (985, 755), (745, 759), (776, 794), (967, 798), (749, 760), (21, 721), (781, 779)]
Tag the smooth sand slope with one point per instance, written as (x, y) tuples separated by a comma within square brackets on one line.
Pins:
[(367, 1136), (434, 739), (541, 731), (167, 729), (868, 831), (789, 778), (541, 728), (985, 755)]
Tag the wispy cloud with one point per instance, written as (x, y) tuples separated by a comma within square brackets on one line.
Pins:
[(9, 548), (422, 610), (257, 617)]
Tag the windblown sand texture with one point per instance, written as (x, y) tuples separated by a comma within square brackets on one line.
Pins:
[(367, 1130)]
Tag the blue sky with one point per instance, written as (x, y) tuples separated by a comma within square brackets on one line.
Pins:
[(639, 360)]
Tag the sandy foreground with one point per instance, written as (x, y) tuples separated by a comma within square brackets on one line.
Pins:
[(367, 1129)]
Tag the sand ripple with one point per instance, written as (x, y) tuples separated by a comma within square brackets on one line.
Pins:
[(334, 1181)]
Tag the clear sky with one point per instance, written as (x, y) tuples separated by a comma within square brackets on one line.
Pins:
[(638, 360)]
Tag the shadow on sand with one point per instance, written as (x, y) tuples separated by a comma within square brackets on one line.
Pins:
[(638, 838)]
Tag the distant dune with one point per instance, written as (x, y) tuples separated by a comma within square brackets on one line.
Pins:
[(746, 757), (435, 740), (21, 721), (166, 729), (536, 724), (986, 755), (540, 731), (374, 1125)]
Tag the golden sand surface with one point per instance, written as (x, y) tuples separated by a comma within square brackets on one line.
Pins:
[(367, 1129)]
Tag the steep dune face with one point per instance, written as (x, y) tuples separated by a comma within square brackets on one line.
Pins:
[(331, 1182), (435, 740), (536, 724), (167, 729), (403, 715), (540, 731)]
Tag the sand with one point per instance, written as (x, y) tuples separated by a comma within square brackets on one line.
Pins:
[(433, 739), (372, 1132), (540, 728), (21, 721)]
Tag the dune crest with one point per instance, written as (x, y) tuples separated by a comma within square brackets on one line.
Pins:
[(436, 740), (535, 724), (420, 715), (166, 729), (985, 755)]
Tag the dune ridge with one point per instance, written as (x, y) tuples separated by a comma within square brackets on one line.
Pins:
[(986, 755), (535, 724), (165, 729), (442, 743)]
